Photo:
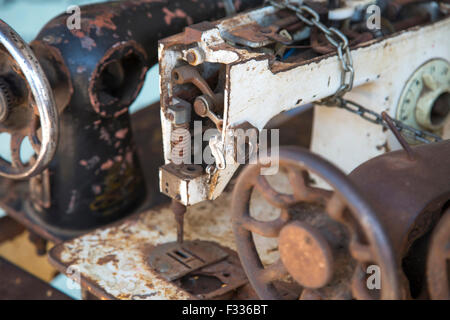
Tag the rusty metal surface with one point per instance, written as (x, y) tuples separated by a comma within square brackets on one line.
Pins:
[(25, 107), (174, 260), (113, 260), (368, 241), (438, 257), (17, 284), (306, 255)]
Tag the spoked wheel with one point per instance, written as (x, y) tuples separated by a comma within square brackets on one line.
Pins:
[(438, 257), (307, 254), (27, 107)]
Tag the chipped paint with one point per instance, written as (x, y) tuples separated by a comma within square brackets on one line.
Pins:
[(121, 134), (127, 275), (253, 80)]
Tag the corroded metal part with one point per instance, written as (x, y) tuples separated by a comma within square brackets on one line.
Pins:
[(306, 255), (425, 99), (221, 280), (408, 195), (96, 177), (437, 263), (368, 241), (112, 262), (250, 78), (14, 195), (41, 101), (174, 260), (17, 284)]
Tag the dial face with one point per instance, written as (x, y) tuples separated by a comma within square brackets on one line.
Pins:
[(432, 77)]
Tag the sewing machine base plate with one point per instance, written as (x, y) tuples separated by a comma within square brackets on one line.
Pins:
[(113, 262)]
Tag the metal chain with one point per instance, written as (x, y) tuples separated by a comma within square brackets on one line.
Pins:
[(335, 37), (373, 117), (340, 42)]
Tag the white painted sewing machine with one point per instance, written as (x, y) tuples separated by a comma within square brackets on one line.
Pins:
[(254, 87)]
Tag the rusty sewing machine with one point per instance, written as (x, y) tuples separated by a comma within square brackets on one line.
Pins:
[(363, 173)]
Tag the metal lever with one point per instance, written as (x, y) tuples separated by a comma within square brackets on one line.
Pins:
[(205, 104)]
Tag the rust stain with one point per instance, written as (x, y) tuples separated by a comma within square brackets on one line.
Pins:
[(106, 259), (81, 69), (78, 33), (102, 21)]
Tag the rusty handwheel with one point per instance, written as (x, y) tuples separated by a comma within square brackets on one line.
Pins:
[(27, 106), (306, 253), (437, 262)]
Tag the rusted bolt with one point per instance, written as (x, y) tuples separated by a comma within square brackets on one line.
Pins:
[(202, 105), (195, 56)]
